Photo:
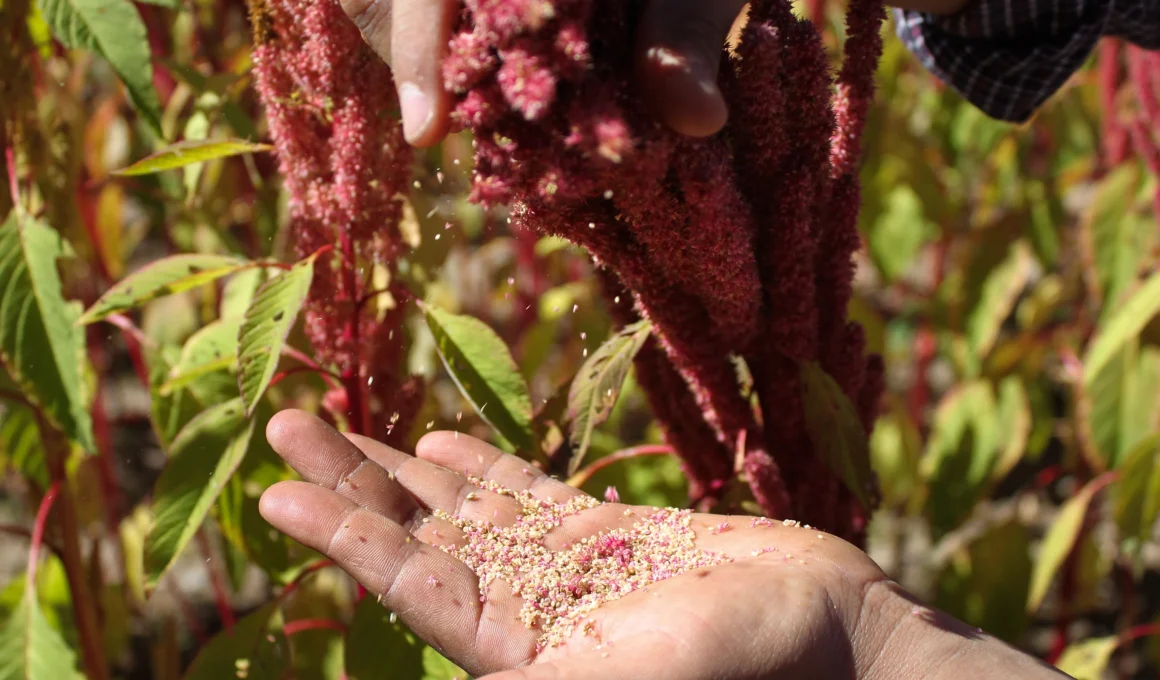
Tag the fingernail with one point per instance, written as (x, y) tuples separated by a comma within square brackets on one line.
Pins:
[(416, 109)]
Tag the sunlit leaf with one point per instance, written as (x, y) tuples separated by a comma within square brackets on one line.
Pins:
[(961, 452), (169, 413), (1137, 494), (1116, 234), (30, 649), (997, 296), (1059, 541), (191, 152), (205, 362), (836, 431), (252, 650), (264, 328), (482, 367), (899, 231), (1088, 659), (597, 386), (1121, 405), (1013, 426), (895, 450), (114, 30), (163, 277), (238, 292), (39, 343), (1122, 326), (203, 458)]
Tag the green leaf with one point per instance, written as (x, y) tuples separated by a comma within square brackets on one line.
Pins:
[(254, 650), (205, 360), (597, 386), (1117, 233), (1088, 660), (899, 231), (1122, 326), (836, 431), (189, 153), (30, 648), (39, 344), (238, 292), (1121, 404), (438, 667), (1059, 541), (204, 456), (167, 276), (998, 293), (114, 30), (377, 649), (483, 369), (21, 447), (264, 328), (1137, 494), (985, 583), (168, 413), (961, 452)]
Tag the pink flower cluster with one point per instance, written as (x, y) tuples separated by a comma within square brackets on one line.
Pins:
[(333, 117), (739, 245)]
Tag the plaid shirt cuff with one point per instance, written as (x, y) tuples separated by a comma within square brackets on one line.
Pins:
[(1007, 57)]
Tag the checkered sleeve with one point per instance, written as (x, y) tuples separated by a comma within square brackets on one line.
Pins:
[(1009, 56)]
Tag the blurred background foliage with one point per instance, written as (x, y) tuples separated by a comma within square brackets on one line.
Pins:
[(1008, 277)]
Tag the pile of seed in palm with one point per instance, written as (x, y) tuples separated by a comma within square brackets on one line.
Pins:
[(561, 587)]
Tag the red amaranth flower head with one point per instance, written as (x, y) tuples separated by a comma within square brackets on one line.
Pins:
[(331, 112)]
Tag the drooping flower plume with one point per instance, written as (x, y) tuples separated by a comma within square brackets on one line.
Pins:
[(333, 117), (739, 245)]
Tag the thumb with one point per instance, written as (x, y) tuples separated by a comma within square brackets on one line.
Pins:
[(678, 54), (627, 660)]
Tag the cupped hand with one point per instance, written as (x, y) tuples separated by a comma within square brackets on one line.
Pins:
[(678, 51), (791, 604)]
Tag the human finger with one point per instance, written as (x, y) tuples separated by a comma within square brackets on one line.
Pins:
[(678, 54)]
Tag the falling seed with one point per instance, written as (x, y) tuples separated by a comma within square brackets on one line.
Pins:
[(437, 236), (611, 495), (393, 617), (430, 424), (458, 416), (608, 194), (583, 335), (370, 381), (455, 162), (591, 225), (439, 176), (585, 352), (416, 184), (574, 308)]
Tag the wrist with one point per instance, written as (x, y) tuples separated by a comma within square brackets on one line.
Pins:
[(899, 637)]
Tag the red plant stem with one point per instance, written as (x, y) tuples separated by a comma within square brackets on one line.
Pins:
[(13, 185), (38, 531), (581, 477), (306, 572), (84, 605), (282, 375), (1137, 632), (300, 625), (102, 432), (221, 594), (351, 375)]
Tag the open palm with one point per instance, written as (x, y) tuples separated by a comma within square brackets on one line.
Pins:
[(788, 605)]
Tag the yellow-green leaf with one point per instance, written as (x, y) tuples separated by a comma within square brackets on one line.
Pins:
[(30, 648), (1087, 660), (203, 457), (1059, 541), (264, 328), (836, 431), (39, 343), (597, 386), (190, 152), (164, 277), (205, 360), (1122, 326), (482, 367), (114, 30), (1137, 494)]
